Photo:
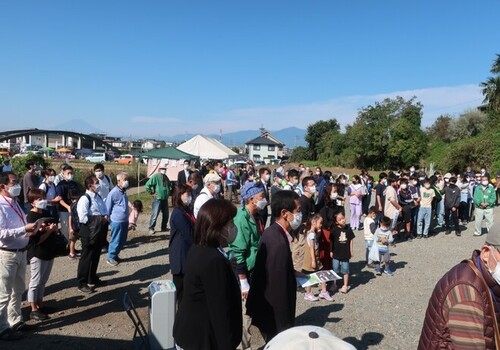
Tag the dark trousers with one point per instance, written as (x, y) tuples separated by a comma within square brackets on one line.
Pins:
[(159, 205), (463, 211), (89, 259), (179, 286), (454, 217)]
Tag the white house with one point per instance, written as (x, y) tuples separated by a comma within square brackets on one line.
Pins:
[(264, 148)]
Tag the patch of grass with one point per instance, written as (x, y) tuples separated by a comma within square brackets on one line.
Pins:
[(144, 197)]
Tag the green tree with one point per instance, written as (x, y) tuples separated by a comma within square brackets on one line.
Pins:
[(469, 124), (315, 133), (491, 87), (331, 145), (19, 163), (440, 129), (299, 154)]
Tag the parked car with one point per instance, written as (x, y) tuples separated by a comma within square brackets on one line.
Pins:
[(125, 159), (97, 157)]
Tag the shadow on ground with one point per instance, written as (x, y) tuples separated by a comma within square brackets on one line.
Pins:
[(63, 342), (367, 339), (318, 315)]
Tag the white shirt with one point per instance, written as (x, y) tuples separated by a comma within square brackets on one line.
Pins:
[(12, 222), (97, 206), (105, 187), (202, 198)]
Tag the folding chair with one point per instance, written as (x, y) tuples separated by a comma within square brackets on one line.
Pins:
[(142, 341)]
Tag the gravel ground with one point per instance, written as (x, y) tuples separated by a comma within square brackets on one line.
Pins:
[(380, 312)]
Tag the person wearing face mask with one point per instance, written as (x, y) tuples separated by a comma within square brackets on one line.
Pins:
[(271, 301), (158, 186), (41, 253), (195, 183), (183, 175), (427, 195), (118, 213), (462, 306), (292, 181), (232, 185), (244, 248), (307, 209), (392, 208), (356, 191), (342, 191), (265, 176), (30, 180), (451, 205), (50, 192), (104, 181), (63, 190), (380, 195), (182, 224), (15, 233), (209, 316), (92, 215), (484, 202), (211, 190)]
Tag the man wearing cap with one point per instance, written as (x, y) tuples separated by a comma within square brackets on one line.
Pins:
[(158, 186), (211, 190), (461, 312), (244, 247)]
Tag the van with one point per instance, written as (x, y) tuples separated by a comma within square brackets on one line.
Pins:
[(97, 157)]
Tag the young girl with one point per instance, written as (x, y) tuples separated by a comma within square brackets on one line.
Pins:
[(356, 191), (135, 210), (311, 257), (342, 247)]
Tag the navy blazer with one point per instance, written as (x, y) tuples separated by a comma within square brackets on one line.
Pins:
[(181, 239)]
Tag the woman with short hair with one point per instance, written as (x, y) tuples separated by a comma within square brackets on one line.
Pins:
[(211, 304)]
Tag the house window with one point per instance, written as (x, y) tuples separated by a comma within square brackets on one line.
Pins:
[(256, 147), (271, 148)]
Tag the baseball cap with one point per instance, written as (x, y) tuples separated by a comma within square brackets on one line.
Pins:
[(307, 338), (211, 177)]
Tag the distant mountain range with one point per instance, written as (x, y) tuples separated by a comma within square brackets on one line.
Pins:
[(291, 137)]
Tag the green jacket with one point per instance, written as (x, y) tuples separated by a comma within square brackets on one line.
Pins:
[(245, 246), (486, 195), (158, 184)]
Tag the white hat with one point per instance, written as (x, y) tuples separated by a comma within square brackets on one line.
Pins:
[(212, 177), (447, 176), (307, 338)]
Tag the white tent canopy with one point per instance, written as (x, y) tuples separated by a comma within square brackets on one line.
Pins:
[(206, 148)]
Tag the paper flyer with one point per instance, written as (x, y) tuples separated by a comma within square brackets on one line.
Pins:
[(318, 277)]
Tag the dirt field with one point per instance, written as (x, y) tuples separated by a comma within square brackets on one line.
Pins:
[(378, 313)]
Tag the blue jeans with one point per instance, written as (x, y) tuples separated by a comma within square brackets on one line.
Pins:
[(424, 214), (440, 213), (118, 235), (159, 205), (341, 266), (369, 243)]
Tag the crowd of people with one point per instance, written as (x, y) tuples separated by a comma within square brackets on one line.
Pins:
[(249, 259)]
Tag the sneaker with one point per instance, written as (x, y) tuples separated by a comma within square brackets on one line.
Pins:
[(152, 232), (10, 335), (325, 295), (425, 237), (310, 297), (372, 265), (22, 326), (458, 233), (448, 232), (419, 236), (477, 234), (344, 289), (72, 256), (38, 315), (86, 289), (112, 262), (388, 272), (378, 271)]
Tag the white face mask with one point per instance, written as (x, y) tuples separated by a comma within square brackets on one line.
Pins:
[(312, 189), (295, 182), (217, 188), (125, 184), (297, 220), (333, 195), (496, 273), (15, 190), (232, 233), (163, 171), (195, 186), (261, 204), (427, 186), (403, 186), (188, 201), (99, 174), (266, 177), (484, 183), (41, 204), (52, 178), (412, 169), (421, 178), (69, 177)]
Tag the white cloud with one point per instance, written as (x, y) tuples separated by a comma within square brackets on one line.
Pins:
[(154, 120), (436, 101)]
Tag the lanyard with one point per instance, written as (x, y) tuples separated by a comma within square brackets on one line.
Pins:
[(259, 223), (16, 209), (190, 217)]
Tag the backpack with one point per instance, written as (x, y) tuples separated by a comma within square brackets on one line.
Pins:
[(75, 221)]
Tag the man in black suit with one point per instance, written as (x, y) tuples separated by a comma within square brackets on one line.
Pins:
[(264, 175), (272, 296), (183, 176)]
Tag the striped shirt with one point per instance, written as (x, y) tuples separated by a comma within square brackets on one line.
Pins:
[(464, 307)]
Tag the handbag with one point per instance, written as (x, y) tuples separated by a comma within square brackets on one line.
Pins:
[(61, 245), (374, 254)]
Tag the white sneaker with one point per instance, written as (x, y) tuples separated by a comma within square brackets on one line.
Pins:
[(310, 297), (325, 295), (152, 232), (477, 234)]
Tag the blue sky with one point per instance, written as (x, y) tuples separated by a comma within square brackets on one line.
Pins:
[(159, 68)]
